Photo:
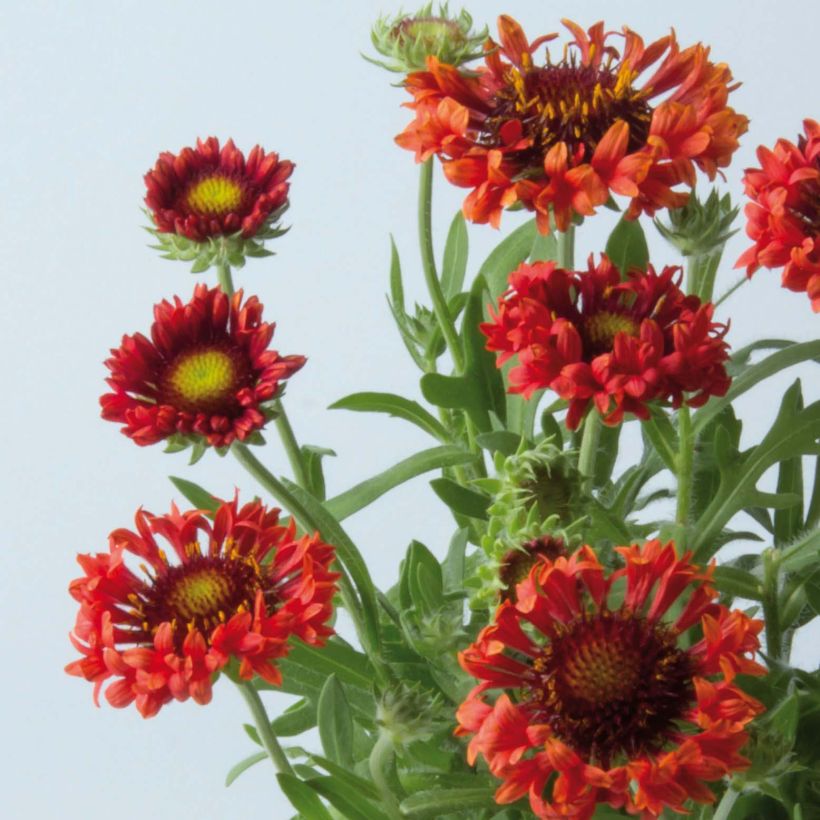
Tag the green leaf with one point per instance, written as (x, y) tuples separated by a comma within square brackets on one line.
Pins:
[(803, 551), (433, 804), (788, 520), (607, 454), (297, 718), (199, 497), (396, 287), (659, 430), (303, 798), (425, 579), (454, 264), (244, 765), (311, 513), (738, 583), (507, 256), (346, 799), (796, 353), (452, 567), (784, 718), (626, 246), (740, 358), (460, 499), (354, 499), (544, 248), (812, 590), (396, 406), (335, 723), (336, 658), (312, 458), (499, 441), (794, 432)]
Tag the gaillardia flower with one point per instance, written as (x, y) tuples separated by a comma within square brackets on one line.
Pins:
[(205, 374), (564, 135), (590, 337), (211, 205), (236, 588), (602, 702), (784, 214)]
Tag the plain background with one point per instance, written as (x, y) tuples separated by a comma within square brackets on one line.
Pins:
[(91, 92)]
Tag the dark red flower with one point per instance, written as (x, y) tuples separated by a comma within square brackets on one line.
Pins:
[(601, 702), (784, 214), (206, 371), (238, 587), (591, 337), (565, 134), (207, 191)]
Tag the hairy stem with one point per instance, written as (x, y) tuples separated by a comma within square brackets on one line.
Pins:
[(771, 606), (264, 728), (290, 444), (566, 248), (684, 461), (380, 758), (589, 447), (223, 276)]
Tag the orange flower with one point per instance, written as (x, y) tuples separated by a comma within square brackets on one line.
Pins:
[(564, 135), (784, 214), (607, 705), (240, 587)]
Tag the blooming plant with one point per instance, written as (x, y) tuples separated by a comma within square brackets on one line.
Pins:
[(583, 647)]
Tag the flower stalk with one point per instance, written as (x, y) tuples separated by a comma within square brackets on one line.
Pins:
[(291, 445), (223, 276), (590, 438), (684, 462), (381, 757), (263, 726), (771, 605)]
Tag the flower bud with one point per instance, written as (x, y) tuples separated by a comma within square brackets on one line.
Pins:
[(700, 228), (408, 713), (408, 40)]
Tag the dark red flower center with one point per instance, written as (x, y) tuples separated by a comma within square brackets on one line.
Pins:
[(807, 206), (601, 328), (201, 593), (206, 379), (518, 562), (550, 491), (214, 194), (612, 684), (570, 103)]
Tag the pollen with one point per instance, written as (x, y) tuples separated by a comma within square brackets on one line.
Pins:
[(215, 196), (602, 328), (203, 375)]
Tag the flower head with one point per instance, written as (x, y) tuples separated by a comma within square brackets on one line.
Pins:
[(562, 135), (204, 375), (601, 702), (237, 587), (784, 212), (211, 204), (407, 40), (591, 337)]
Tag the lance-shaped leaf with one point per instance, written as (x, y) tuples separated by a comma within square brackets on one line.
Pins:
[(312, 458), (297, 718), (626, 246), (396, 406), (198, 496), (794, 432), (335, 723), (454, 264), (507, 256), (788, 521), (436, 803), (460, 499), (436, 458), (303, 798), (244, 765)]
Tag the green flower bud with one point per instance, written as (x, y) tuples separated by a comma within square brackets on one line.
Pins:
[(408, 713), (700, 228), (408, 40)]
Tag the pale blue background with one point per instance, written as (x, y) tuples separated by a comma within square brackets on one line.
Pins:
[(91, 92)]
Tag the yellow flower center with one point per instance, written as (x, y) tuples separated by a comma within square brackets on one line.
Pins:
[(200, 594), (204, 375), (215, 196), (602, 328)]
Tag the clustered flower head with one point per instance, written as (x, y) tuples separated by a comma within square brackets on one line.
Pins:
[(589, 695), (592, 338), (784, 212), (206, 372), (562, 136), (407, 40), (235, 588)]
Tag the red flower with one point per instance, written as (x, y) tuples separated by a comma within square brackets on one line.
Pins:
[(590, 337), (784, 214), (206, 371), (606, 704), (205, 191), (566, 134), (240, 587)]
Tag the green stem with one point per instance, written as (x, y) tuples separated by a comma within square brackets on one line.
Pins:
[(566, 248), (700, 274), (684, 461), (428, 261), (727, 802), (290, 444), (589, 447), (223, 276), (281, 493), (740, 282), (380, 758), (264, 728), (771, 608)]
